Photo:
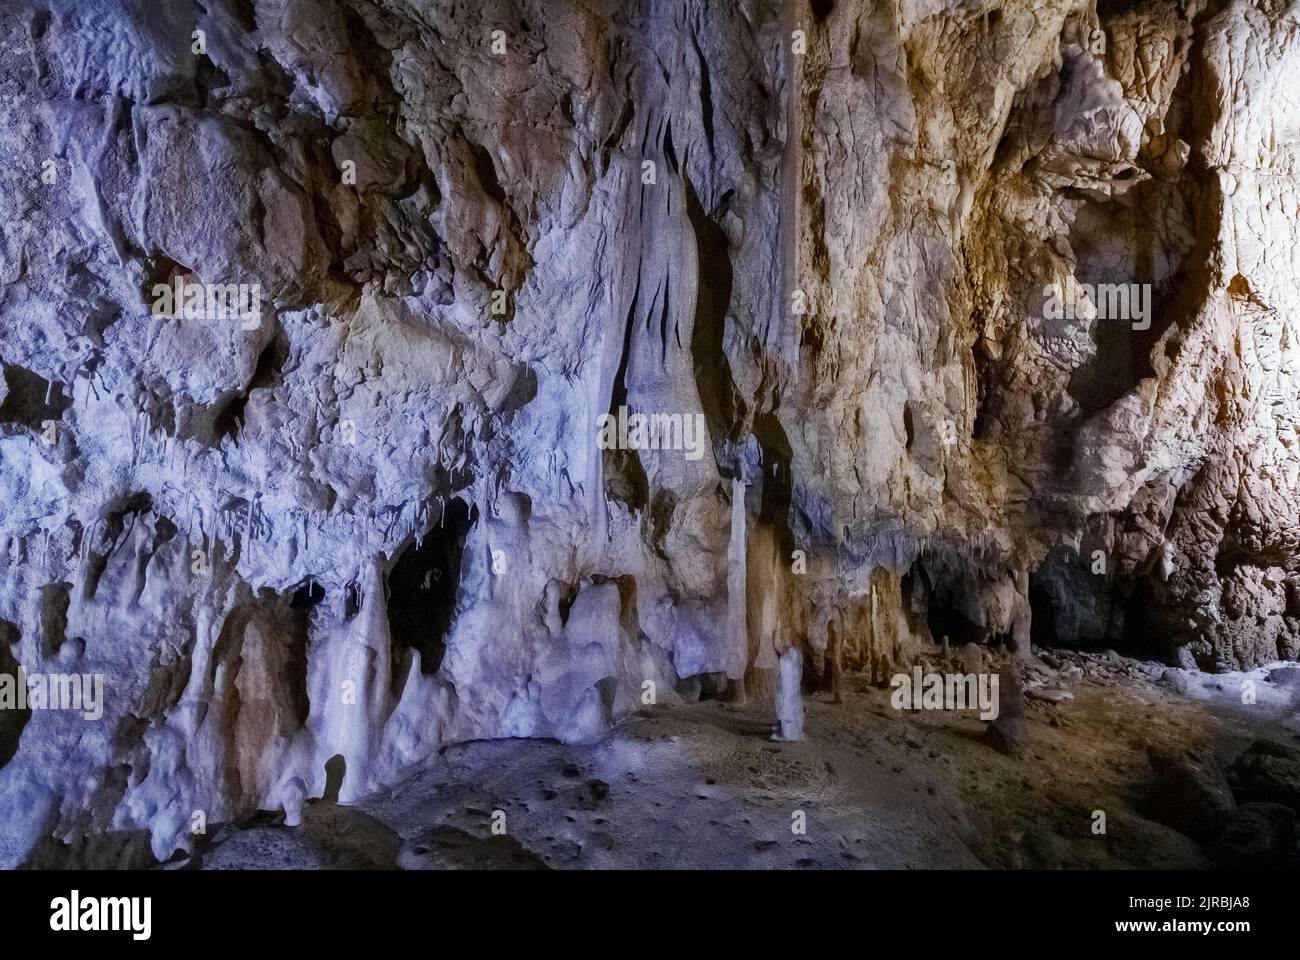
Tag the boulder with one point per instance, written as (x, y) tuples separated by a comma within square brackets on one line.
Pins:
[(1268, 772), (1189, 793)]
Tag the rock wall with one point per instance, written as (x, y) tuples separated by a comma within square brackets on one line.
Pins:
[(308, 542)]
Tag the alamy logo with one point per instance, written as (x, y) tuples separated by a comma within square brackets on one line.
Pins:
[(75, 913), (656, 431), (53, 691), (1102, 301), (946, 691), (209, 301)]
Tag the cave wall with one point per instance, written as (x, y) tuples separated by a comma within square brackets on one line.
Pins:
[(378, 520)]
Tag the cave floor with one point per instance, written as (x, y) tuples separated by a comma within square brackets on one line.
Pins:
[(701, 785)]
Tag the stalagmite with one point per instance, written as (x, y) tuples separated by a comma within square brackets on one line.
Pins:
[(737, 636), (789, 696), (292, 796)]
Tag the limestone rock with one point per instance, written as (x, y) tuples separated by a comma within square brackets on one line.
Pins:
[(1189, 793), (1262, 836), (967, 320), (1009, 732), (1269, 772)]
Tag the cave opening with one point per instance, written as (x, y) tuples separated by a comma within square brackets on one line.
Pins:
[(821, 9), (424, 584), (295, 631), (308, 594), (1073, 608), (945, 620), (933, 595)]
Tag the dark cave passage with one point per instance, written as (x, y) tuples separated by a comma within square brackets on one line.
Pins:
[(1076, 609), (945, 620), (932, 590), (423, 586), (306, 596)]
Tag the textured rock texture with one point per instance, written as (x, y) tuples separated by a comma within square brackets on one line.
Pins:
[(307, 552)]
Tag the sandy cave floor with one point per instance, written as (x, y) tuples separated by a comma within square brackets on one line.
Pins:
[(702, 785)]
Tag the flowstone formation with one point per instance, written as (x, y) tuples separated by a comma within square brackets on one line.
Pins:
[(383, 374)]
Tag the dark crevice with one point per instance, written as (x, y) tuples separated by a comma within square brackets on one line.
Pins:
[(619, 394), (55, 600), (267, 374), (308, 595), (670, 154), (351, 601), (295, 640), (777, 480), (660, 517), (31, 399), (721, 402), (821, 9), (245, 14), (939, 592), (208, 79), (486, 172), (161, 270), (423, 587), (40, 24), (116, 530), (616, 135), (625, 478), (706, 94), (664, 315), (12, 721)]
